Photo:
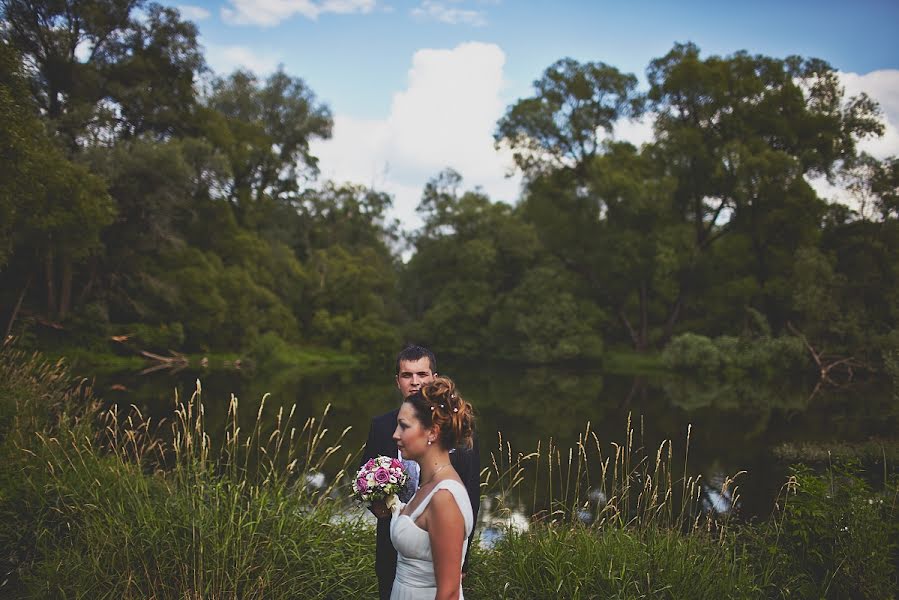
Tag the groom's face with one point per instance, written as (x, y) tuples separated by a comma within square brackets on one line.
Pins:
[(413, 375)]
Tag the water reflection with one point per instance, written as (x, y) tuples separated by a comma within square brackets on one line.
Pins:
[(494, 524), (735, 426)]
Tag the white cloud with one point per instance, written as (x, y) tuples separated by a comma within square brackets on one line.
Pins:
[(444, 118), (882, 86), (272, 12), (636, 131), (194, 13), (431, 9), (225, 59)]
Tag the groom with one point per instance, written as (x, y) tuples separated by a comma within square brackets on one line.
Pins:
[(415, 367)]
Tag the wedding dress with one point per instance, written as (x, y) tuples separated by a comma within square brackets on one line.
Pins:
[(415, 566)]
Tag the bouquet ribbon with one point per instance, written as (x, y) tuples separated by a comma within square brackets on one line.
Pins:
[(393, 503)]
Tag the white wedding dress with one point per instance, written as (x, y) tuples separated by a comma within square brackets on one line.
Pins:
[(415, 566)]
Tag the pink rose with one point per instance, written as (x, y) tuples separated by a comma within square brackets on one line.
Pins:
[(361, 484), (382, 476)]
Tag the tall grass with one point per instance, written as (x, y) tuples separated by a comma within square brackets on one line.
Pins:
[(614, 520), (105, 503), (100, 504), (613, 484)]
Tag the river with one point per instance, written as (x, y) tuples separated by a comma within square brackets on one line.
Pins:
[(753, 427)]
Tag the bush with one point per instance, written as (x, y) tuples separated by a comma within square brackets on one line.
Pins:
[(834, 537), (734, 357), (157, 338), (692, 352)]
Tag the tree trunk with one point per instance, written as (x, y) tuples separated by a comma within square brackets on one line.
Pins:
[(91, 281), (15, 310), (635, 339), (644, 317), (50, 281), (673, 316), (65, 294)]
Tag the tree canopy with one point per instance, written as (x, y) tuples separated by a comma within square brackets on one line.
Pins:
[(147, 199)]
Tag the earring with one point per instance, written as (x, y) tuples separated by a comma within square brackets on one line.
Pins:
[(429, 442)]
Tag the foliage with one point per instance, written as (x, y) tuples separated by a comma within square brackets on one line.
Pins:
[(107, 504), (89, 509), (731, 357), (542, 320), (834, 537), (53, 209), (265, 131), (577, 562), (143, 195), (107, 69), (560, 127), (690, 351)]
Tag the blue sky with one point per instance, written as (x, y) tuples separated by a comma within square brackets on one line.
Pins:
[(417, 86)]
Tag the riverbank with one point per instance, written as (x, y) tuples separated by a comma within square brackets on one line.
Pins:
[(266, 354), (95, 504)]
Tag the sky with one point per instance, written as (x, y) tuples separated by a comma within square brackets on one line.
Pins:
[(417, 86)]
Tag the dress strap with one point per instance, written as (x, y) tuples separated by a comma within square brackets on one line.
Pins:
[(440, 485)]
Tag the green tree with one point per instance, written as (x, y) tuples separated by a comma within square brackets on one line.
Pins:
[(563, 124), (616, 231), (738, 134), (54, 209), (544, 319), (107, 69), (344, 240), (264, 130), (450, 284)]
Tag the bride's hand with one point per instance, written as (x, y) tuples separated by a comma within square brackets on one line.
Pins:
[(379, 509)]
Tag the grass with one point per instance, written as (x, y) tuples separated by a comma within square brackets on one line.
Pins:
[(95, 504), (102, 504), (882, 451), (574, 562), (630, 362)]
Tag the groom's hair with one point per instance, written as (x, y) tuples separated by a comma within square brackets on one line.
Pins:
[(413, 353)]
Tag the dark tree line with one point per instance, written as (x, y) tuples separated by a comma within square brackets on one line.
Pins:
[(143, 196), (710, 228)]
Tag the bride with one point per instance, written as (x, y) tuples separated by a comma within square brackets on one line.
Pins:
[(430, 531)]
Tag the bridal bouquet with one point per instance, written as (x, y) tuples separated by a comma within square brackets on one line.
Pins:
[(381, 478)]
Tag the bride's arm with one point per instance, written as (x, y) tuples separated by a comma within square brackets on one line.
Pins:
[(446, 528)]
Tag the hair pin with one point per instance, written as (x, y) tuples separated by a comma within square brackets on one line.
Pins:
[(455, 410)]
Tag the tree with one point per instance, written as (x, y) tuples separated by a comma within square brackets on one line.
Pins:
[(616, 231), (738, 135), (265, 131), (53, 209), (469, 256), (544, 319), (563, 124), (100, 69)]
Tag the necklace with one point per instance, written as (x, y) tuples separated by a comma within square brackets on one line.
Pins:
[(434, 474)]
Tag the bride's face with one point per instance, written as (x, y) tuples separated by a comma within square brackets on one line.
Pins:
[(410, 435)]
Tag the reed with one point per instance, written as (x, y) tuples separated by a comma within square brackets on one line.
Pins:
[(616, 484), (105, 503)]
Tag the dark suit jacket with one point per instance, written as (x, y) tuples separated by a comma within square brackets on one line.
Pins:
[(466, 462)]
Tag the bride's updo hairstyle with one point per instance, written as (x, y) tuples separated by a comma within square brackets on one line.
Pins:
[(439, 403)]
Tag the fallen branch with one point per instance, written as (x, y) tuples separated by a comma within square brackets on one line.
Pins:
[(827, 364), (175, 362)]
